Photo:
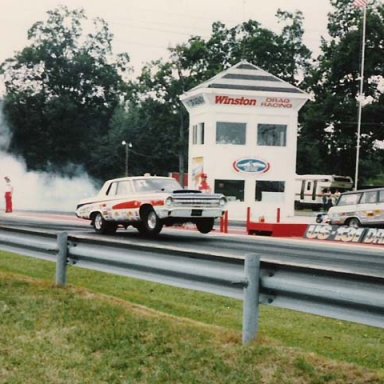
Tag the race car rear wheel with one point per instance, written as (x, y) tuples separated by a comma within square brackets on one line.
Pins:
[(102, 226), (205, 225), (151, 224)]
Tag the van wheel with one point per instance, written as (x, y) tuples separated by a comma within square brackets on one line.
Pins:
[(102, 226), (354, 223)]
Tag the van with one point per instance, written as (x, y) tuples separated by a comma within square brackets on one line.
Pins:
[(309, 189), (359, 208)]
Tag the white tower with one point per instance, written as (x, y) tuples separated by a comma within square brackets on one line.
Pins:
[(243, 136)]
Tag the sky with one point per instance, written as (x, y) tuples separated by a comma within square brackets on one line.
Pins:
[(146, 28)]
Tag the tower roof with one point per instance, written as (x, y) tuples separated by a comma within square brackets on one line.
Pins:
[(245, 76)]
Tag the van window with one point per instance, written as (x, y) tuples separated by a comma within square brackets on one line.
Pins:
[(369, 197), (381, 196), (349, 199)]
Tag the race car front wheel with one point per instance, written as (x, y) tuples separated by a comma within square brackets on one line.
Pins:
[(151, 224), (205, 225)]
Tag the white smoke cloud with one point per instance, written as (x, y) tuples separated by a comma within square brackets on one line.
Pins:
[(39, 190)]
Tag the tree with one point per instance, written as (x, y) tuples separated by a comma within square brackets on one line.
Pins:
[(66, 95), (153, 120), (283, 55), (330, 121), (161, 129), (62, 90)]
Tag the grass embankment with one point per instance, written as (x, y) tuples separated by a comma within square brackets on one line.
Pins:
[(110, 329)]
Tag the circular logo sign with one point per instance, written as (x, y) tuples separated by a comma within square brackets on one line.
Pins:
[(251, 165)]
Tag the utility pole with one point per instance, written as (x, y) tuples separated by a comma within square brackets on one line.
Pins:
[(360, 4), (127, 146)]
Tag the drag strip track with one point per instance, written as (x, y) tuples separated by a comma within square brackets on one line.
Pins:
[(351, 258), (337, 257)]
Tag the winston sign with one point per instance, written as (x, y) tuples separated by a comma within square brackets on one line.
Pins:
[(235, 100), (266, 102)]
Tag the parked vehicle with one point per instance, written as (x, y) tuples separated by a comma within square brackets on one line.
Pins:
[(309, 189), (359, 208), (148, 203)]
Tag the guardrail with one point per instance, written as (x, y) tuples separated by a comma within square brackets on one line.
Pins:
[(336, 294)]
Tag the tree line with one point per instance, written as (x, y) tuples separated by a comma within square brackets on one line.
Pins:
[(70, 101)]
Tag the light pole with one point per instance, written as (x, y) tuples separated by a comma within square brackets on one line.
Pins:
[(360, 4), (127, 146)]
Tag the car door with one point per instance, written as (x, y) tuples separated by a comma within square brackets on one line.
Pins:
[(367, 210), (124, 207)]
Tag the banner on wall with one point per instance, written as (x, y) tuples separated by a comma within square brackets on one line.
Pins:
[(267, 102), (345, 234), (197, 170)]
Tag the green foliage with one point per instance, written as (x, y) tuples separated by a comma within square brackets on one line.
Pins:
[(330, 120), (159, 122), (69, 102), (61, 90), (284, 55)]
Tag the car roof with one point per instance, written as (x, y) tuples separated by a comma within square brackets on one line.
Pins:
[(363, 190), (140, 177)]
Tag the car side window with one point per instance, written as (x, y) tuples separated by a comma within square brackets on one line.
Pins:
[(369, 197), (142, 185), (111, 191), (381, 196), (124, 188)]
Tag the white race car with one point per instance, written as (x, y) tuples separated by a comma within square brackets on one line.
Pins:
[(148, 203)]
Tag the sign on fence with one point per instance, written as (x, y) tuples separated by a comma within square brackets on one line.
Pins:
[(345, 234)]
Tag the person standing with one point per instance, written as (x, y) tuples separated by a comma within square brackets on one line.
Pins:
[(8, 195), (336, 196), (204, 186), (329, 200), (324, 199)]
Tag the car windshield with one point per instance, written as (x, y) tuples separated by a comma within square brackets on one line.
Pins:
[(156, 185)]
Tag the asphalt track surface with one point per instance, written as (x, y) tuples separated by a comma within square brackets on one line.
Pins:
[(236, 243)]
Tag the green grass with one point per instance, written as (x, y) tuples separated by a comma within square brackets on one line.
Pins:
[(110, 329)]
